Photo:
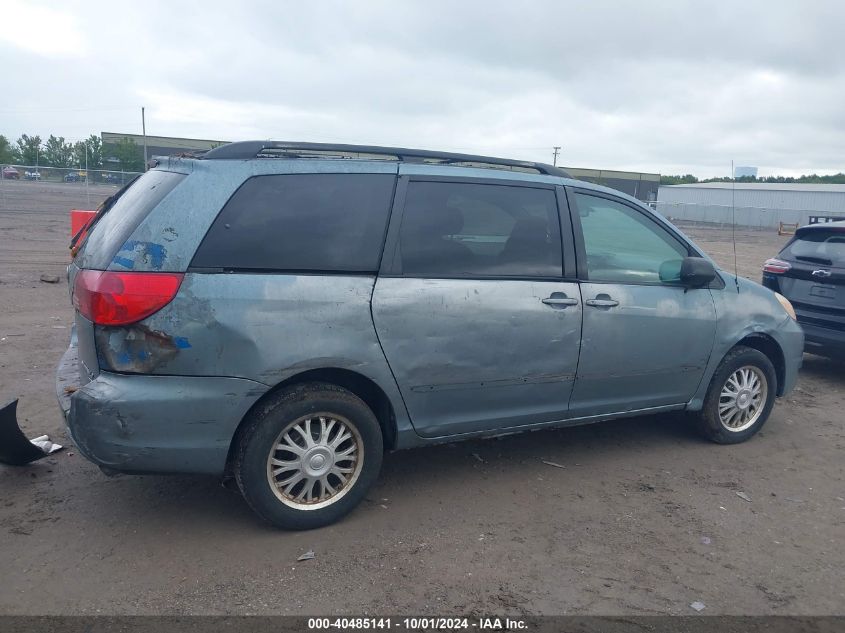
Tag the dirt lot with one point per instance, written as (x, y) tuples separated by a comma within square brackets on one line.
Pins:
[(644, 518)]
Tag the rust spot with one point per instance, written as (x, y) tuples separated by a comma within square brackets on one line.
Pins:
[(136, 349)]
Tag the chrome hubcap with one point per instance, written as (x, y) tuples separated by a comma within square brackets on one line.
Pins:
[(742, 398), (314, 461)]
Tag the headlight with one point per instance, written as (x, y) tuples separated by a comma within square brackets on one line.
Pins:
[(786, 305)]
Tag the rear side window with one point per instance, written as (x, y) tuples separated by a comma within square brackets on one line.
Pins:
[(478, 230), (301, 222), (819, 246), (120, 221)]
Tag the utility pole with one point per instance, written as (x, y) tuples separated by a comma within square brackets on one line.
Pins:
[(87, 191), (144, 131), (557, 151)]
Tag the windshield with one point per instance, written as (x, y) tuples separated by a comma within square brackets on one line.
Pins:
[(819, 246), (117, 222)]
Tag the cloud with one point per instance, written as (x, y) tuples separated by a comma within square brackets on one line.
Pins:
[(659, 86), (42, 30)]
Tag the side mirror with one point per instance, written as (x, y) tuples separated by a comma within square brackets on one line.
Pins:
[(696, 272)]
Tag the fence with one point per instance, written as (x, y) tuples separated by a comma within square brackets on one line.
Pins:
[(35, 173), (753, 217), (40, 190)]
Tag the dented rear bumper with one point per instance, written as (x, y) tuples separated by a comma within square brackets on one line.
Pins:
[(67, 374), (153, 424)]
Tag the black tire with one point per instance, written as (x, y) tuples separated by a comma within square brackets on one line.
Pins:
[(264, 429), (708, 420)]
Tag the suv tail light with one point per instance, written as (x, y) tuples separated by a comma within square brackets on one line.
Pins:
[(776, 266), (117, 298)]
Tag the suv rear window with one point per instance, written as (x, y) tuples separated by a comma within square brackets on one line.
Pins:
[(819, 246), (120, 221), (301, 222)]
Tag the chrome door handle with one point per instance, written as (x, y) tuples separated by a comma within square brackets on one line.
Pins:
[(602, 303), (560, 301)]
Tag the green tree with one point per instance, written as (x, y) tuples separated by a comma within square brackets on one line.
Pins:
[(58, 152), (93, 147), (838, 178), (7, 154), (28, 149), (129, 155), (678, 180), (95, 152)]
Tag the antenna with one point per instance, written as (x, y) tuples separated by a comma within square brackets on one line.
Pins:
[(733, 223)]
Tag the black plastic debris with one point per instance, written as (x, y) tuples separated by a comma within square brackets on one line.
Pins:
[(15, 448)]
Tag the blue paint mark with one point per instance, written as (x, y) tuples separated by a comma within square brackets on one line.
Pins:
[(181, 342), (122, 261), (150, 251), (124, 358)]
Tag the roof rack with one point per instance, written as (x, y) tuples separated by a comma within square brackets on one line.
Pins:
[(285, 149)]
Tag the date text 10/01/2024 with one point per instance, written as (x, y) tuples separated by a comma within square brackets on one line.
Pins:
[(423, 623)]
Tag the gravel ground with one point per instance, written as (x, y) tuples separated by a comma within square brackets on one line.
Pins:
[(643, 518)]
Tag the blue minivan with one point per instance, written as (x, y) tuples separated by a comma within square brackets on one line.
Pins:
[(284, 313)]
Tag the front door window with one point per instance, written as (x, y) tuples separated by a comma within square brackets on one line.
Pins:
[(625, 246)]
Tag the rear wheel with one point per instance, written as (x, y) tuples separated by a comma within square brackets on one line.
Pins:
[(308, 456), (740, 397)]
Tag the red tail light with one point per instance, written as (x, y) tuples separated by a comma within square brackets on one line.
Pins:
[(114, 298), (776, 266)]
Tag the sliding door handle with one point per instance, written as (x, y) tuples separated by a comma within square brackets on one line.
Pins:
[(559, 300)]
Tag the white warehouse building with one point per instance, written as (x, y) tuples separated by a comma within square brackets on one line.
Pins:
[(762, 205)]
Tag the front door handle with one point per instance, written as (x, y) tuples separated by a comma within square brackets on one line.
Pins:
[(559, 299), (602, 301)]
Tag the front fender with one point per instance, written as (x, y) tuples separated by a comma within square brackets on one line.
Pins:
[(745, 310)]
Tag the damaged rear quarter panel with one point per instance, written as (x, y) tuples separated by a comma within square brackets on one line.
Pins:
[(262, 327)]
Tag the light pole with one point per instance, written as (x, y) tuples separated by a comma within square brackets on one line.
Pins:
[(556, 148), (87, 192), (144, 132)]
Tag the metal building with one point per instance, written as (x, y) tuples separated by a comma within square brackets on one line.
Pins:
[(642, 186), (156, 145), (763, 205)]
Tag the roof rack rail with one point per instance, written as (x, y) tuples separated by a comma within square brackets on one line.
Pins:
[(285, 149)]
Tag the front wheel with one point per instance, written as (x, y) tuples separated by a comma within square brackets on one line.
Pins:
[(308, 456), (740, 397)]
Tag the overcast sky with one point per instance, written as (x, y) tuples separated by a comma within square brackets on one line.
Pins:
[(670, 87)]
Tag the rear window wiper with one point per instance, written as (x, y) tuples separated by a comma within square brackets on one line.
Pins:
[(815, 260), (104, 207)]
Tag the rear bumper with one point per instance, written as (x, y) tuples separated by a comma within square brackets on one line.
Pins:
[(67, 375), (823, 325), (154, 424), (823, 341)]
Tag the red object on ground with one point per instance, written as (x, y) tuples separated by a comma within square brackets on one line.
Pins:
[(78, 218)]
